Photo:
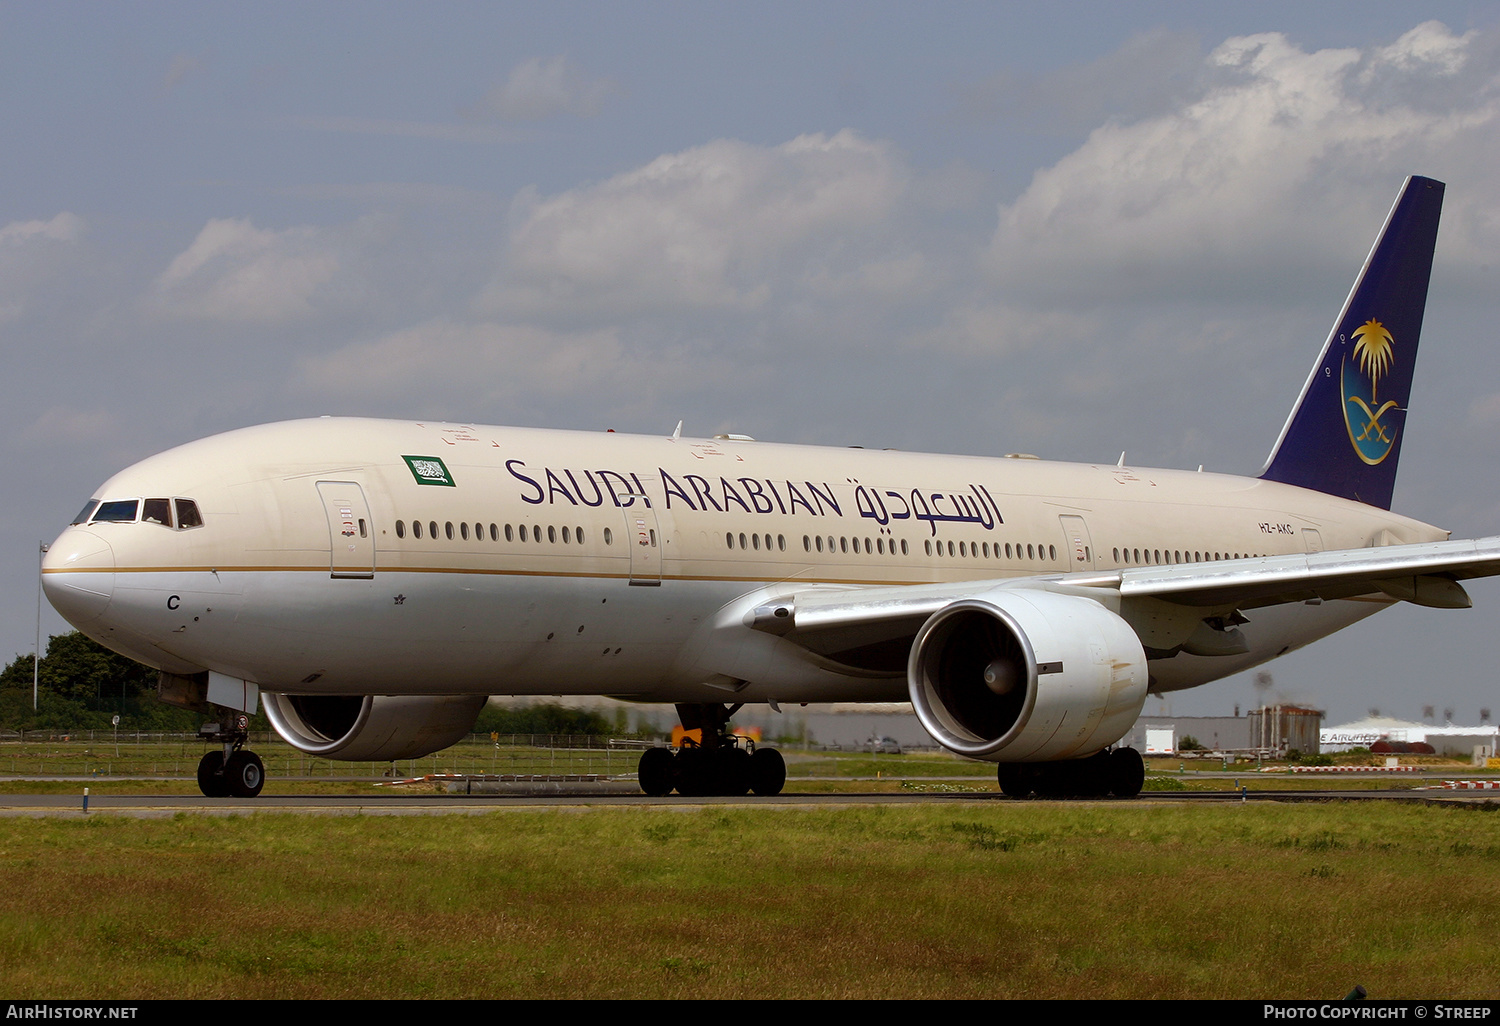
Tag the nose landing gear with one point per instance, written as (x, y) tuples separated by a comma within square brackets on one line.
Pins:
[(235, 771)]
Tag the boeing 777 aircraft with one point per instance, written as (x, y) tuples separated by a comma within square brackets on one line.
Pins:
[(373, 581)]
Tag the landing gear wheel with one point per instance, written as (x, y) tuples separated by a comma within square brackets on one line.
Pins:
[(693, 773), (1127, 772), (738, 771), (767, 772), (1092, 776), (211, 779), (1014, 779), (655, 772), (244, 774), (1056, 779)]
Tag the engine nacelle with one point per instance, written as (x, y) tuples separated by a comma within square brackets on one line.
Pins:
[(1026, 675), (371, 728)]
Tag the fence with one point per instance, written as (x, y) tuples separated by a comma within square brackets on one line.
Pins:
[(101, 753)]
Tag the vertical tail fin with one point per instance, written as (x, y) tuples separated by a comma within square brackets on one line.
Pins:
[(1344, 435)]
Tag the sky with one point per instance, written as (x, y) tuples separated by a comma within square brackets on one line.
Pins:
[(1065, 229)]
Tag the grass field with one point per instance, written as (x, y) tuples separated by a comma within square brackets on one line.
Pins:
[(1031, 899)]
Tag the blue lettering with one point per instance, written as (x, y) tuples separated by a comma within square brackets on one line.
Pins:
[(796, 497), (998, 518), (704, 491), (640, 489), (605, 475), (821, 497), (671, 487), (752, 489), (541, 496), (554, 486), (772, 485), (598, 495), (730, 495)]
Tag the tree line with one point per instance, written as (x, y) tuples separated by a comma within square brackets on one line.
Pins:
[(82, 685)]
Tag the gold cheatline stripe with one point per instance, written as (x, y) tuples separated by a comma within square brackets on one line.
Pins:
[(783, 578), (461, 570)]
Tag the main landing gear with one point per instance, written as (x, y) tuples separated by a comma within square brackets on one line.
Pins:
[(234, 771), (717, 766), (1120, 772)]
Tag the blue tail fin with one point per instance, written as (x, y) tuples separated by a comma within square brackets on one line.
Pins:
[(1344, 434)]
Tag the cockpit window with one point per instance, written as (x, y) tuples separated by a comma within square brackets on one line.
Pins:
[(117, 511), (83, 517), (187, 514), (157, 511)]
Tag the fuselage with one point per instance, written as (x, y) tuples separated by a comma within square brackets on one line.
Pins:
[(347, 556)]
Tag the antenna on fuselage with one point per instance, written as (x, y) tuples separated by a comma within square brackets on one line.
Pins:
[(677, 431), (1121, 464)]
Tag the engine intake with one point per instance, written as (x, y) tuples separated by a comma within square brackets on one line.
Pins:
[(371, 728), (1026, 675)]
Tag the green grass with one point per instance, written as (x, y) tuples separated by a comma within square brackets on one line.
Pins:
[(985, 900), (858, 764)]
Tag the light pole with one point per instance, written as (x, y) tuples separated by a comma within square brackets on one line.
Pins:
[(36, 656)]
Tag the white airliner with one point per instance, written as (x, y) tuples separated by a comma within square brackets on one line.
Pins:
[(373, 581)]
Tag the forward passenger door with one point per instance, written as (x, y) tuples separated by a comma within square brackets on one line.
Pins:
[(351, 534)]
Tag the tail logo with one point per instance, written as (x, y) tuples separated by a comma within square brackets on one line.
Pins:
[(1374, 352)]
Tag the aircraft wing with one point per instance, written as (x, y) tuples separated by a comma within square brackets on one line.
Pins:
[(1425, 573), (829, 619)]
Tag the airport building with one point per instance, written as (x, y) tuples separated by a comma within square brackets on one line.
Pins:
[(1449, 739)]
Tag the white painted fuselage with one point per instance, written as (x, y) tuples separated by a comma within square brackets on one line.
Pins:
[(347, 556)]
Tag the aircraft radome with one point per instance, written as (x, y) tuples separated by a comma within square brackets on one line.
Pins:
[(373, 581)]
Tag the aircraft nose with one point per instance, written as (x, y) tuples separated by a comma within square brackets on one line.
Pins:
[(78, 576)]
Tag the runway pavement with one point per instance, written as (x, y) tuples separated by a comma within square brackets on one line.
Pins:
[(388, 804)]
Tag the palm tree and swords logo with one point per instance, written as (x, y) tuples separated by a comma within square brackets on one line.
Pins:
[(1374, 353)]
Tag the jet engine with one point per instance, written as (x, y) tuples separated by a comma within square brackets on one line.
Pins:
[(371, 728), (1026, 675)]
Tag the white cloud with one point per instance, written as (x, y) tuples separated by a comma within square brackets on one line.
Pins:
[(234, 271), (546, 87), (491, 362), (496, 358), (1429, 47), (999, 330), (1285, 164), (31, 253), (722, 226), (65, 227)]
